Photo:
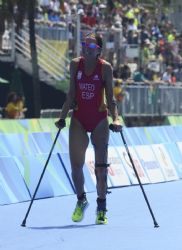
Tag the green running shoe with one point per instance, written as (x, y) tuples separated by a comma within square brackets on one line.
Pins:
[(101, 218), (80, 208)]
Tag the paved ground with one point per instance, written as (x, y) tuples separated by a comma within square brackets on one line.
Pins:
[(130, 226)]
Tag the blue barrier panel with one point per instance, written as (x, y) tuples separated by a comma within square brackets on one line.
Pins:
[(116, 139), (13, 144), (33, 148), (54, 182), (156, 134), (175, 156), (30, 160), (12, 185), (167, 133), (132, 137), (63, 141), (111, 140), (170, 133), (178, 131), (4, 150), (141, 133), (43, 142)]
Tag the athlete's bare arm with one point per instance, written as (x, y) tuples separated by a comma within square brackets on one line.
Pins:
[(70, 98), (108, 79)]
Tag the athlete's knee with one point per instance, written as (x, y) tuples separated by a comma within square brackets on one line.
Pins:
[(101, 146), (101, 153)]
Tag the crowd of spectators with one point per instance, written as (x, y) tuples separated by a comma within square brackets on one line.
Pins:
[(157, 54), (159, 44)]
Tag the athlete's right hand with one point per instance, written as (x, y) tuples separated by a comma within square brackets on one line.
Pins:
[(61, 123)]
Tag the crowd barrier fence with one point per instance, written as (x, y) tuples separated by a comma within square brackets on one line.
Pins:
[(151, 100)]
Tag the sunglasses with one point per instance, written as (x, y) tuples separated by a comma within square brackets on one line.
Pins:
[(90, 45)]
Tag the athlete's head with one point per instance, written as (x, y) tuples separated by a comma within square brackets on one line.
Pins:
[(92, 45)]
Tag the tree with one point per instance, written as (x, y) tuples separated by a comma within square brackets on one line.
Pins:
[(35, 70)]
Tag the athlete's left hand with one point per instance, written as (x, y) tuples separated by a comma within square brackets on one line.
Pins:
[(115, 126), (61, 123)]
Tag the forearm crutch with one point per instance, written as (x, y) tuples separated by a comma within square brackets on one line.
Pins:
[(136, 173), (35, 192)]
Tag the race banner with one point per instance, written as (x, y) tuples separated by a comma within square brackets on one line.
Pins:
[(165, 162), (176, 157), (128, 166), (116, 172), (150, 163)]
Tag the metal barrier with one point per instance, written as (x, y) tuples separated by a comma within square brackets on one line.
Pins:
[(53, 113), (52, 33), (49, 59), (158, 100)]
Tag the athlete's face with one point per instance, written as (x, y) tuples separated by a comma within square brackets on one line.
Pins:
[(90, 49)]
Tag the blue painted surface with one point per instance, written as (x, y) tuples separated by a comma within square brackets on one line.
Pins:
[(130, 226)]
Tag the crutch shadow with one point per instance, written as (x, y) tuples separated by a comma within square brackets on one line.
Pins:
[(62, 227)]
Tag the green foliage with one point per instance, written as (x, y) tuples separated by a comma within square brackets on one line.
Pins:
[(63, 85)]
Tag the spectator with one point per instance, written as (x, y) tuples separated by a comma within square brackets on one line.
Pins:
[(138, 76), (167, 75), (15, 106), (118, 91)]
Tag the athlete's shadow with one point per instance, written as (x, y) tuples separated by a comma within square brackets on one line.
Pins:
[(62, 227)]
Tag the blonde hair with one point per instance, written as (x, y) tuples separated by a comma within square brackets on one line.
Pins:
[(90, 35)]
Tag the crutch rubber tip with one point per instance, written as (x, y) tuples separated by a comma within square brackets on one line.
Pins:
[(156, 225), (23, 224)]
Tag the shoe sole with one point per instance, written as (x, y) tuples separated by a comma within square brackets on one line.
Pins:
[(101, 223), (83, 214)]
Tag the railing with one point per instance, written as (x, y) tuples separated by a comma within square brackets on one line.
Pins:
[(48, 58), (158, 100), (52, 33)]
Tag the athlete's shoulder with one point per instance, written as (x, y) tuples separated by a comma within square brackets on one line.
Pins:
[(107, 67), (106, 64), (76, 60)]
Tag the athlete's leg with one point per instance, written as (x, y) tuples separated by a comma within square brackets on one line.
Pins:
[(78, 142), (100, 138)]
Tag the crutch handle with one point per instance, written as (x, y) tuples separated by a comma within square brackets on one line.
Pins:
[(115, 127)]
